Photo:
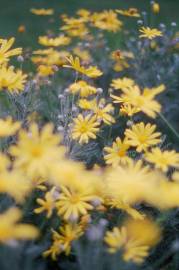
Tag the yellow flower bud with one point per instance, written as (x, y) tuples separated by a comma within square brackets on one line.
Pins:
[(155, 8)]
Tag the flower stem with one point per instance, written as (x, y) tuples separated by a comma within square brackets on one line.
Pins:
[(169, 125)]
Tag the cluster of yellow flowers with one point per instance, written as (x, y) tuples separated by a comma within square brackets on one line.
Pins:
[(10, 79), (38, 159)]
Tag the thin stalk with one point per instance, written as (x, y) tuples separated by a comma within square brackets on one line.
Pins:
[(169, 125)]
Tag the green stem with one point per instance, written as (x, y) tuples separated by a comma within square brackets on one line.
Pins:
[(169, 125)]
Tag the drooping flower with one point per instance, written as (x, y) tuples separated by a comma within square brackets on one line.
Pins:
[(91, 71)]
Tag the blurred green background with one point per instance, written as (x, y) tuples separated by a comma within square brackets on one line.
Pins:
[(14, 13)]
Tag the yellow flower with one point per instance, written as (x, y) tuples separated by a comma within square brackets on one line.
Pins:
[(85, 128), (129, 110), (74, 202), (91, 71), (131, 12), (74, 27), (127, 183), (137, 101), (12, 80), (14, 183), (122, 83), (117, 154), (36, 151), (10, 229), (133, 250), (42, 11), (163, 159), (86, 104), (84, 14), (8, 127), (49, 57), (47, 204), (45, 71), (155, 7), (150, 33), (83, 88), (106, 20), (122, 205), (135, 239), (54, 42), (4, 162), (5, 52), (142, 136), (84, 55), (102, 112), (63, 239)]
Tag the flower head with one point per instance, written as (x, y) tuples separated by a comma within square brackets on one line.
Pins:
[(37, 150), (10, 228), (8, 127), (42, 11), (117, 154), (131, 12), (5, 52), (150, 33), (54, 42), (142, 136), (85, 128), (163, 159), (12, 80)]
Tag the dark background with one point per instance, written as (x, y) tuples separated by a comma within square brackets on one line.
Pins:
[(14, 13)]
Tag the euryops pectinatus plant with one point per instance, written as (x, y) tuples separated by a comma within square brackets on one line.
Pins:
[(89, 168)]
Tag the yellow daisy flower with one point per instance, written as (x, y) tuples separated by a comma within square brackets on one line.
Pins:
[(85, 128), (10, 228), (47, 204), (54, 42), (74, 202), (91, 71), (117, 154), (122, 83), (131, 12), (163, 159), (8, 127), (142, 136), (135, 239), (83, 88), (12, 80), (42, 11), (63, 239), (150, 33), (5, 52), (106, 20), (37, 150)]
